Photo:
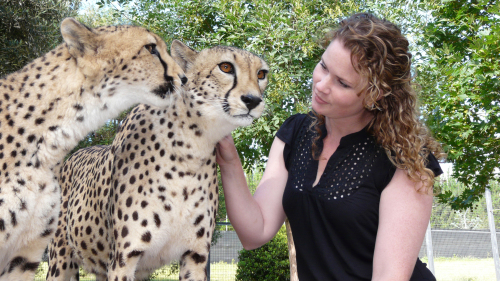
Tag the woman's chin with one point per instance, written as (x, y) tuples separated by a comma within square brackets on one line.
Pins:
[(317, 107)]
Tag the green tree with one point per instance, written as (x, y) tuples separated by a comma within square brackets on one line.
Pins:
[(29, 29), (476, 217), (269, 262), (93, 16), (459, 79), (283, 32)]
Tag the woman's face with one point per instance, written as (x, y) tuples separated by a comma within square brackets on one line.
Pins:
[(336, 85)]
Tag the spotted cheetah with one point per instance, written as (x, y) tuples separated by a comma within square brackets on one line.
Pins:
[(52, 103), (151, 197)]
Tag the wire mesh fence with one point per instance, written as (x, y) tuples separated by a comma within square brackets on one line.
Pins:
[(224, 254), (461, 240), (459, 255), (461, 244)]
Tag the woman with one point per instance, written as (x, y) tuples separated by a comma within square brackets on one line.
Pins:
[(354, 176)]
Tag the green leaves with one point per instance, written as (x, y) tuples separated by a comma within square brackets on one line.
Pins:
[(269, 262), (29, 29), (464, 65), (283, 32), (456, 62)]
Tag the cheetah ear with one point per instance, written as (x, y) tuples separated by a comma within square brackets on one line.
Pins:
[(182, 54), (79, 38)]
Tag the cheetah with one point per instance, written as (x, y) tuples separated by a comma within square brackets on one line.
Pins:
[(51, 104), (152, 196)]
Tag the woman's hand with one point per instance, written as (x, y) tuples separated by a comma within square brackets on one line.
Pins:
[(256, 218), (226, 152)]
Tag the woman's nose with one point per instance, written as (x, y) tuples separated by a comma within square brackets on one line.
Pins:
[(323, 84)]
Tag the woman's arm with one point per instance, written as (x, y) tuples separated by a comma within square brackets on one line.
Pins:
[(256, 218), (404, 216)]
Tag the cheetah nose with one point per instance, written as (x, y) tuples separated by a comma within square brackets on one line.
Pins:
[(251, 101), (183, 79)]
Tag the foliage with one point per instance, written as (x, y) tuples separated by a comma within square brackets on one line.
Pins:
[(94, 16), (103, 136), (283, 32), (473, 218), (168, 270), (29, 29), (461, 89), (457, 60), (269, 262)]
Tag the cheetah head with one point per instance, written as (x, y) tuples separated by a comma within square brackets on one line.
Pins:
[(225, 82), (128, 59)]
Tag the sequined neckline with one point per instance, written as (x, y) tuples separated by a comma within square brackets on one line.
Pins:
[(347, 139), (349, 167)]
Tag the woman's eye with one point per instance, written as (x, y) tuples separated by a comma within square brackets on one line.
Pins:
[(343, 84), (261, 74), (151, 48), (322, 65), (226, 67)]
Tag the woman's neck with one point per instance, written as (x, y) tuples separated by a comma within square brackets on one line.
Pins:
[(338, 128)]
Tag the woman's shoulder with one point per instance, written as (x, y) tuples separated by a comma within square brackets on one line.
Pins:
[(297, 118), (292, 124)]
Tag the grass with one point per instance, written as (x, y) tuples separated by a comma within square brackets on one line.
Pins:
[(220, 271), (464, 269), (447, 269)]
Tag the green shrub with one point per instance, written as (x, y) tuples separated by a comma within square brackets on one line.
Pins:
[(269, 262)]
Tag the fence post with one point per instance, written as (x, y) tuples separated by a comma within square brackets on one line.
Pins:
[(493, 232), (430, 252)]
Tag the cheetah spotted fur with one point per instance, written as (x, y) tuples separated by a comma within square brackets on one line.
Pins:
[(151, 197), (52, 103)]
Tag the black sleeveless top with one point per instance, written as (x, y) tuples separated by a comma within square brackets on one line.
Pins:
[(335, 223)]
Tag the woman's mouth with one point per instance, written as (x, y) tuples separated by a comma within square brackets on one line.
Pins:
[(318, 99)]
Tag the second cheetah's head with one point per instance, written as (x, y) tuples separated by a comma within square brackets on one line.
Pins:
[(224, 81)]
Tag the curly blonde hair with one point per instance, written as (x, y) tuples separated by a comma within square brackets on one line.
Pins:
[(379, 53)]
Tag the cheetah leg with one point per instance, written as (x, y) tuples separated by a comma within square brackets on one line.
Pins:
[(61, 265), (142, 275), (124, 266), (25, 262), (99, 277), (193, 266)]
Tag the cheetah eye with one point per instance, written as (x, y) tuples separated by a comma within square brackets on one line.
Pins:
[(226, 67), (151, 48), (261, 74)]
